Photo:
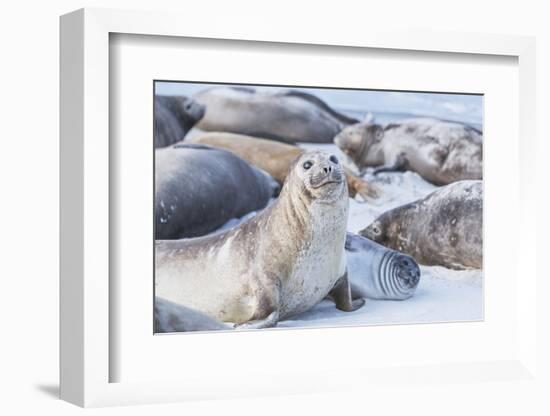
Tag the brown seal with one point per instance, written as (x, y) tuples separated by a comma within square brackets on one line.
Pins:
[(279, 263), (444, 228), (441, 152), (275, 158)]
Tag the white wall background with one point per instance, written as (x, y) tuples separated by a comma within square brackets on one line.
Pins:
[(29, 183)]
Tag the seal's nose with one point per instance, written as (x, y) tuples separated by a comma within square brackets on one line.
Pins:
[(327, 169)]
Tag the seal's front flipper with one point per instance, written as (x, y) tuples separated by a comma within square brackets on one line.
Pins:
[(341, 293), (399, 164), (268, 322), (357, 304)]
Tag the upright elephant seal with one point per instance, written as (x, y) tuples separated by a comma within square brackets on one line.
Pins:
[(377, 272), (444, 228), (439, 151), (174, 117), (275, 158), (279, 263), (170, 317), (284, 115), (199, 188)]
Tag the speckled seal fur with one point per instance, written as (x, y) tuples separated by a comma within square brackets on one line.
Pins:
[(441, 152), (279, 263), (444, 228)]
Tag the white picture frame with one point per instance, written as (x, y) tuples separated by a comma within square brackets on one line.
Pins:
[(85, 353)]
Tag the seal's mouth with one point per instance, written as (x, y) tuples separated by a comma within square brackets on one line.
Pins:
[(325, 183)]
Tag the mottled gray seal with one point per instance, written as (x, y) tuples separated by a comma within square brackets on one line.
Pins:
[(170, 317), (275, 158), (444, 228), (278, 263), (377, 272), (285, 115), (441, 152), (174, 117), (198, 188)]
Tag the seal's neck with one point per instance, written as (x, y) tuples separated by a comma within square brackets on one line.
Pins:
[(299, 212), (361, 152), (369, 146), (294, 209)]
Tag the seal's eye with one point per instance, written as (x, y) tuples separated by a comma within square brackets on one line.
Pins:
[(376, 230), (333, 159), (307, 164)]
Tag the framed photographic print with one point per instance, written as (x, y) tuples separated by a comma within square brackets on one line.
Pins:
[(236, 209), (414, 193)]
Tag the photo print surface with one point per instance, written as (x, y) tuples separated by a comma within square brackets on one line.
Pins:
[(299, 207)]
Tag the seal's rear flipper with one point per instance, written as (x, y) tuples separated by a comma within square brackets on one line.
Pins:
[(358, 186), (268, 322)]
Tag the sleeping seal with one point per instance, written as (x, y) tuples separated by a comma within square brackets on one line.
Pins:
[(199, 188), (278, 263), (377, 272), (275, 158), (170, 317), (439, 151), (284, 115), (444, 228), (174, 117)]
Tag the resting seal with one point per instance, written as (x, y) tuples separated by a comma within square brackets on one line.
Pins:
[(275, 158), (444, 228), (170, 317), (439, 151), (284, 115), (278, 263), (174, 117), (199, 188), (377, 272)]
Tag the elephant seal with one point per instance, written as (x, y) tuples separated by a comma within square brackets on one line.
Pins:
[(278, 263), (275, 158), (441, 152), (444, 228), (377, 272), (199, 188), (174, 117), (170, 317), (284, 115)]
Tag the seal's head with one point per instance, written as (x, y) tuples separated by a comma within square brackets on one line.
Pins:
[(319, 175), (356, 140), (191, 110), (376, 231)]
